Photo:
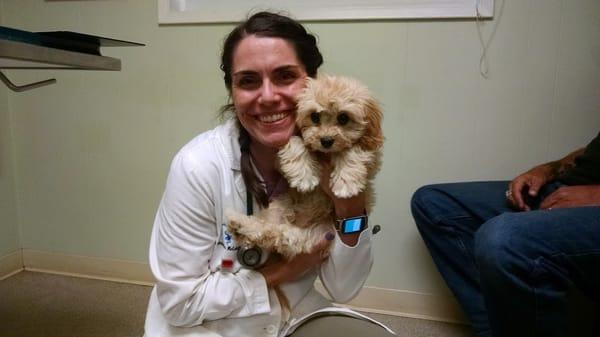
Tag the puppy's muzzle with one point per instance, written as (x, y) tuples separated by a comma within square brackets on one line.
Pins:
[(326, 142)]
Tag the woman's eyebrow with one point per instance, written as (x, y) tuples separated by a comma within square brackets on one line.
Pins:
[(280, 68), (287, 67), (244, 72)]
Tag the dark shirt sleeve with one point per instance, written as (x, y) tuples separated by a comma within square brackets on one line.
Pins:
[(587, 166)]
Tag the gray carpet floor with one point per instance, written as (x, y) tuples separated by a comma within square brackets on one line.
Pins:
[(46, 305)]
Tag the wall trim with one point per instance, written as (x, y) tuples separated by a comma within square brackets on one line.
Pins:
[(370, 299), (11, 264), (88, 267), (405, 303)]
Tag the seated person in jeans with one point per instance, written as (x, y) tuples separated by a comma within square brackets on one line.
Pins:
[(510, 250)]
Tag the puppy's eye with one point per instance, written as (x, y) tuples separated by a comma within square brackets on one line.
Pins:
[(315, 118), (343, 118)]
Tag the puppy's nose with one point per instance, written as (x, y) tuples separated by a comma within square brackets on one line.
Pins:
[(326, 142)]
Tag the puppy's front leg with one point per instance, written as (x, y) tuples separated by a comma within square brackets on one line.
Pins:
[(349, 176), (298, 165)]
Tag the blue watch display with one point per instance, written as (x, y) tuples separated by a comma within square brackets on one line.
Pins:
[(352, 225)]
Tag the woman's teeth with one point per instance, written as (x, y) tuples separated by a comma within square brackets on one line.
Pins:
[(272, 118)]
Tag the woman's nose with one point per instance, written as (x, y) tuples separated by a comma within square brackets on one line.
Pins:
[(268, 93)]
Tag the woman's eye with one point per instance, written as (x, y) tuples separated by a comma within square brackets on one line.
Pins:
[(287, 76), (315, 118), (343, 118), (247, 82)]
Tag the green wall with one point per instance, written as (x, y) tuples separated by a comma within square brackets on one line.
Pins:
[(9, 229), (93, 150)]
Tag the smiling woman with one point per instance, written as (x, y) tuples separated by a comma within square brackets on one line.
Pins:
[(193, 11), (201, 288)]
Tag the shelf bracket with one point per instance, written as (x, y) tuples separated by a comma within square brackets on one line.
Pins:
[(20, 88)]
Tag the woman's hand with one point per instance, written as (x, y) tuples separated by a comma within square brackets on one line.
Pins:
[(528, 183), (573, 196), (277, 270), (344, 207)]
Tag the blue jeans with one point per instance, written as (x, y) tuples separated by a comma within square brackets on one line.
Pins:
[(509, 270)]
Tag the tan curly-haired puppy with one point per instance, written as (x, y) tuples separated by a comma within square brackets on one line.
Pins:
[(339, 117)]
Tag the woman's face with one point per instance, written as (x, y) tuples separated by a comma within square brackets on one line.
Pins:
[(266, 77)]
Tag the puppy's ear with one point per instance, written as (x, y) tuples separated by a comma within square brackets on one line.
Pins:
[(372, 140)]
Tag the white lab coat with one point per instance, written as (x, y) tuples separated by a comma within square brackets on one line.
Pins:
[(192, 295)]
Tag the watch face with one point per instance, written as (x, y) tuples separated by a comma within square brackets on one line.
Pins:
[(353, 225)]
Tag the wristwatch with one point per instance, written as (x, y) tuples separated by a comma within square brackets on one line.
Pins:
[(351, 225)]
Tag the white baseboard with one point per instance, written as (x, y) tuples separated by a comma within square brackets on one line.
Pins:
[(88, 267), (405, 303), (371, 299), (11, 264)]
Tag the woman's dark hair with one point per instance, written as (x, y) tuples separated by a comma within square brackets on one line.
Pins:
[(266, 24)]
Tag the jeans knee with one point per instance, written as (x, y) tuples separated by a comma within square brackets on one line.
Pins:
[(500, 245), (419, 198), (423, 204)]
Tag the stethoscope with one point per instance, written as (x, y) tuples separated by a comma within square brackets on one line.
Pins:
[(251, 257)]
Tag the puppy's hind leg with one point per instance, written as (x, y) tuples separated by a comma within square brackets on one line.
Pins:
[(257, 231), (246, 230), (298, 165)]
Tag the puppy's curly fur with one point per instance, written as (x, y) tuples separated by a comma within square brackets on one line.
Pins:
[(337, 116)]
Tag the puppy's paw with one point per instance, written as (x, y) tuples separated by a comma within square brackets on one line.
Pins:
[(343, 188), (305, 184), (234, 223), (234, 228), (243, 229)]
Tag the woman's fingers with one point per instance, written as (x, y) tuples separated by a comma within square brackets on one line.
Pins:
[(322, 248), (280, 271)]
